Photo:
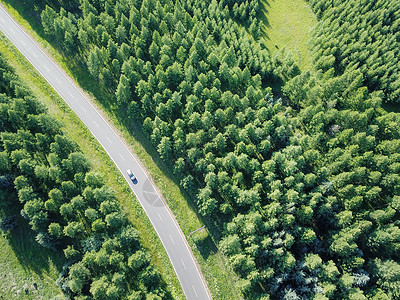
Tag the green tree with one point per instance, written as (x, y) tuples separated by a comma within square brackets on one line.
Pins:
[(98, 288), (55, 230), (138, 261), (78, 275), (95, 62), (73, 229), (388, 274), (165, 148), (48, 16), (123, 90)]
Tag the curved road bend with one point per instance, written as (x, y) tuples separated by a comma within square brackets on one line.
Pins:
[(157, 211)]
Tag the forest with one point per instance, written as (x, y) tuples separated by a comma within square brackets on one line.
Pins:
[(360, 35), (67, 205), (304, 188)]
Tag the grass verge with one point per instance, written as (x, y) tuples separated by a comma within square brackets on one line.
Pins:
[(214, 265), (28, 271), (98, 158), (288, 24)]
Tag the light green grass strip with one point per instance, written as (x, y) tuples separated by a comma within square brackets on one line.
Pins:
[(289, 24)]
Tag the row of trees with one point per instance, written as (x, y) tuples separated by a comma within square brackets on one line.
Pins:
[(362, 35), (68, 206), (306, 194)]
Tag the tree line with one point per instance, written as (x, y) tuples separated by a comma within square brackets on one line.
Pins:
[(306, 192), (68, 206)]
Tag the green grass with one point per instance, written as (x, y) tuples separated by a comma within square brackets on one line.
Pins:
[(288, 25), (27, 270), (24, 264), (99, 160), (214, 265)]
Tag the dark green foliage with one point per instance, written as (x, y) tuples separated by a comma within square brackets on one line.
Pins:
[(306, 194), (360, 35), (8, 223), (68, 206), (6, 182)]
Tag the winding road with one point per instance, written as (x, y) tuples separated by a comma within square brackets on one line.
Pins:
[(157, 210)]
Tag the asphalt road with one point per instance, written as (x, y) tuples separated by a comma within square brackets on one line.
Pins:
[(157, 211)]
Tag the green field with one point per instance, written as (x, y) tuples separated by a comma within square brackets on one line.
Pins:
[(219, 275), (288, 25)]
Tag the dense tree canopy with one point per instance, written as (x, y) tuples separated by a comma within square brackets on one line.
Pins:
[(68, 206), (360, 35), (306, 191)]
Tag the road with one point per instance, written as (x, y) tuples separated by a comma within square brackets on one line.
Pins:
[(157, 211)]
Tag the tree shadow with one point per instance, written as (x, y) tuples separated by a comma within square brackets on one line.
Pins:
[(262, 15), (391, 107), (264, 12), (31, 256), (204, 244), (30, 11)]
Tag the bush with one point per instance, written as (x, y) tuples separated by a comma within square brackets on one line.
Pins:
[(8, 223)]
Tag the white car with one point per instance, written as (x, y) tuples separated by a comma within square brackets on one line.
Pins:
[(131, 176)]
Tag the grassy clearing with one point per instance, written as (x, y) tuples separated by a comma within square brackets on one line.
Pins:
[(288, 24), (215, 267), (27, 270), (99, 159)]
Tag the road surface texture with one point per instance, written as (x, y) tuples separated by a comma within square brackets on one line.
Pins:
[(157, 211)]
